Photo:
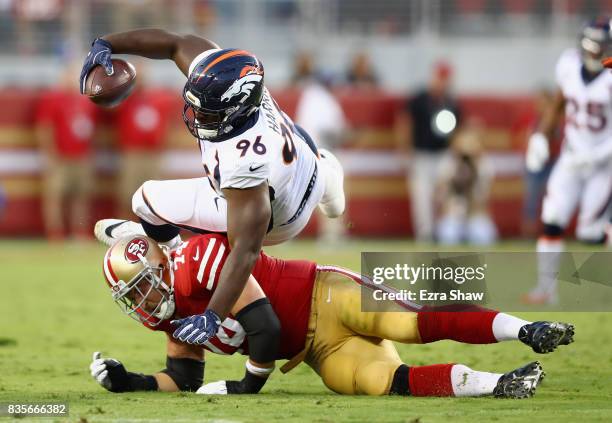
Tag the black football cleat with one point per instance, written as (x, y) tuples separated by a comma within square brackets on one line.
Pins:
[(544, 337), (520, 383)]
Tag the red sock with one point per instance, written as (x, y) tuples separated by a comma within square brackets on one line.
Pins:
[(431, 381), (471, 327)]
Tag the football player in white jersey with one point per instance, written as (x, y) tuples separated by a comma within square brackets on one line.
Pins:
[(264, 175), (582, 176)]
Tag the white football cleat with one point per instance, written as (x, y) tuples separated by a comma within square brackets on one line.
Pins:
[(333, 202), (108, 231), (213, 388)]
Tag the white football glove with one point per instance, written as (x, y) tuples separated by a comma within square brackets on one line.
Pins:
[(99, 370), (538, 152), (213, 388)]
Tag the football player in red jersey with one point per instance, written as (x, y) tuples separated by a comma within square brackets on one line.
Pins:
[(297, 310)]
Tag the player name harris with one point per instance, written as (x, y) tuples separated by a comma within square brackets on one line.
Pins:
[(426, 295)]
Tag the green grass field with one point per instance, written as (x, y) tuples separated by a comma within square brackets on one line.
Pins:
[(56, 311)]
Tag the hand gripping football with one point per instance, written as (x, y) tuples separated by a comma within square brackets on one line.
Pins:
[(109, 91)]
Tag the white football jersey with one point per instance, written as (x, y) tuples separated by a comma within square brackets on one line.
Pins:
[(588, 109), (271, 151)]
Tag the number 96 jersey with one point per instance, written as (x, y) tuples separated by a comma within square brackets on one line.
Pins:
[(588, 106), (272, 150)]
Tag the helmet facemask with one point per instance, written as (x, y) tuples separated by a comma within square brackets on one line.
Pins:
[(594, 46), (145, 296), (207, 124)]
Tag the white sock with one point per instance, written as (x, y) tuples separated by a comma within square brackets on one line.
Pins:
[(506, 327), (549, 256), (471, 383), (333, 202)]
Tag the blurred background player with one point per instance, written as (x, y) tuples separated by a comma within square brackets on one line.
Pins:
[(65, 124), (361, 73), (319, 112), (303, 69), (424, 129), (535, 181), (582, 177), (462, 193), (142, 123)]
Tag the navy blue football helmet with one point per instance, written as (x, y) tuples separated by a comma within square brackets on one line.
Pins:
[(595, 42), (221, 92)]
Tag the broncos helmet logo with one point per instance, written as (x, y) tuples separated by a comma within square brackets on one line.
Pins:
[(241, 86)]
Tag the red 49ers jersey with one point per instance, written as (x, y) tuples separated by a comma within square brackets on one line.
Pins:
[(288, 285)]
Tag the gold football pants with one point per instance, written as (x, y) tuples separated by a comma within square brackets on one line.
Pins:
[(352, 350)]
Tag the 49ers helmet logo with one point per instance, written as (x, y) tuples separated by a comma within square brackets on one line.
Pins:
[(136, 247)]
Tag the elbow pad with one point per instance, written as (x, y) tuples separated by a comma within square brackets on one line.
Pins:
[(262, 328), (187, 373)]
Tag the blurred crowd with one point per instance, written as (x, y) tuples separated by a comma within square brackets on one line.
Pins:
[(44, 26), (448, 176)]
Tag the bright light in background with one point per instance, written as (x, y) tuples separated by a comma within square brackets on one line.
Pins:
[(444, 122)]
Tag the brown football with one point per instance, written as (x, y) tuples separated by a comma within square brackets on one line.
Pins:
[(109, 91)]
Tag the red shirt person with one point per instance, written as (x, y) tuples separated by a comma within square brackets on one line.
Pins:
[(65, 124), (141, 127)]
